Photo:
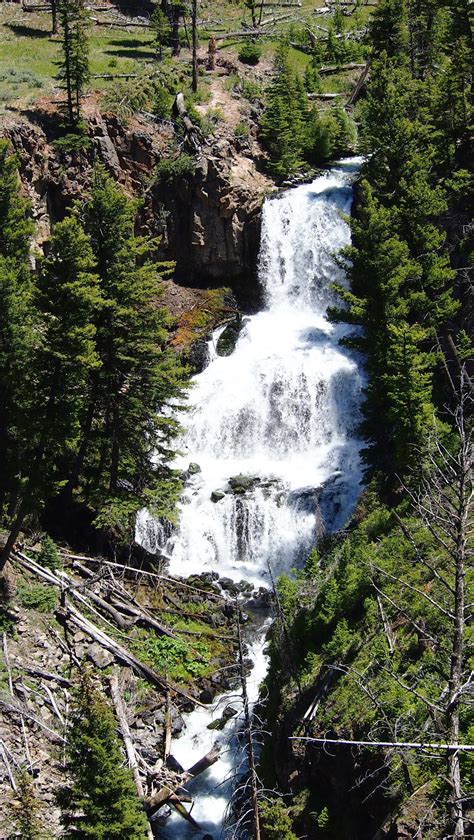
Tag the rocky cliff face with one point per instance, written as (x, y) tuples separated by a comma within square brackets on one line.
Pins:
[(209, 219), (214, 217)]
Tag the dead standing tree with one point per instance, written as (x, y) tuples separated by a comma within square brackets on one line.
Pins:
[(443, 505)]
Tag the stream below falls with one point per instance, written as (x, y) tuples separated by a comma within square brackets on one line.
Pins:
[(277, 419)]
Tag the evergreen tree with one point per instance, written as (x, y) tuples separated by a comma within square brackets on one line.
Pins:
[(102, 802), (15, 227), (388, 29), (74, 66), (66, 297), (16, 323), (159, 24), (26, 811), (282, 124), (127, 434), (49, 555), (408, 383)]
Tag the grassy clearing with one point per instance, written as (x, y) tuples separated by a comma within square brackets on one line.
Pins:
[(29, 55)]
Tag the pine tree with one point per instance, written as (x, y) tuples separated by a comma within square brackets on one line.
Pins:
[(159, 24), (388, 28), (282, 124), (74, 66), (15, 226), (49, 555), (26, 811), (16, 323), (126, 438), (102, 802), (65, 299), (408, 383)]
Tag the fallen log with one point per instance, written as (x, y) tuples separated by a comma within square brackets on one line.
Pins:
[(176, 802), (21, 711), (45, 675), (161, 796), (359, 85), (334, 68), (69, 613), (114, 76), (325, 95), (193, 133)]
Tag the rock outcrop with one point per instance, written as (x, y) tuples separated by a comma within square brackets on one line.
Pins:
[(214, 217), (208, 219)]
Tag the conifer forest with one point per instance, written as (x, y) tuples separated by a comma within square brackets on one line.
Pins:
[(236, 419)]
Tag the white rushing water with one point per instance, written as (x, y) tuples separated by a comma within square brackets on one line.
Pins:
[(282, 409)]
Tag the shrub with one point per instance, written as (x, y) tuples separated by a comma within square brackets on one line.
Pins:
[(73, 142), (250, 53), (35, 596), (163, 103), (276, 822), (241, 131), (171, 168), (251, 90)]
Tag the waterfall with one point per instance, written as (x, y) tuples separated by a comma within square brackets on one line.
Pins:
[(273, 430), (281, 411)]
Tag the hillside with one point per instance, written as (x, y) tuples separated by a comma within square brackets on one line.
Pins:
[(236, 330)]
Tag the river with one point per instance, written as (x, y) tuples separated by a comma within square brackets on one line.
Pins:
[(282, 412)]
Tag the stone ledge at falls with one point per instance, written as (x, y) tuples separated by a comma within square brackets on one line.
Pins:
[(212, 227)]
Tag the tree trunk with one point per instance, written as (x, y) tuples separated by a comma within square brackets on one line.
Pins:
[(54, 17), (176, 46), (13, 535), (457, 655), (195, 45)]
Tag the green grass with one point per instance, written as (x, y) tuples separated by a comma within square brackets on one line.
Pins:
[(29, 55)]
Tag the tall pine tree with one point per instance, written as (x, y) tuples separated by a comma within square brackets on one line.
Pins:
[(126, 439), (65, 299), (74, 65), (102, 802)]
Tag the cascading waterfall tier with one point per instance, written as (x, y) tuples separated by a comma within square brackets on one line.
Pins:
[(277, 419)]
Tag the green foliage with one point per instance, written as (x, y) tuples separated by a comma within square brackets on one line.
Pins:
[(282, 124), (26, 814), (73, 142), (101, 803), (276, 822), (251, 90), (250, 53), (292, 133), (398, 240), (125, 97), (36, 596), (329, 135), (49, 554), (163, 102), (126, 463), (241, 131), (74, 70), (160, 26), (171, 169), (175, 658)]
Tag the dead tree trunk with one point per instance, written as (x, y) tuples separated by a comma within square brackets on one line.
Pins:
[(195, 46), (117, 700), (249, 738)]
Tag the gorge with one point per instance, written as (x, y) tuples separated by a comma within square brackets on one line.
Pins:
[(272, 442)]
